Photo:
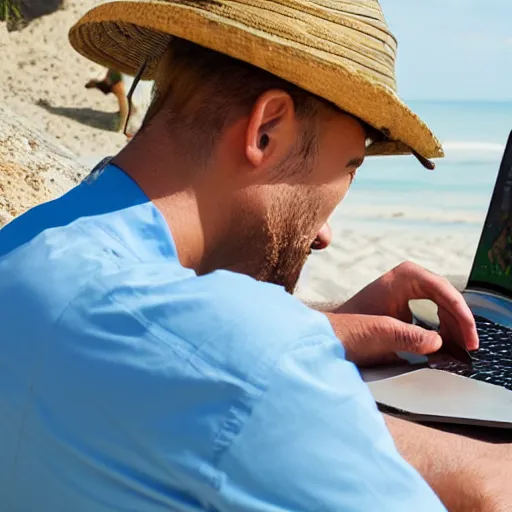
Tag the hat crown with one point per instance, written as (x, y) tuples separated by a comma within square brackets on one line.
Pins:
[(353, 33)]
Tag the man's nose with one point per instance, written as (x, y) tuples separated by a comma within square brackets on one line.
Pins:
[(323, 238)]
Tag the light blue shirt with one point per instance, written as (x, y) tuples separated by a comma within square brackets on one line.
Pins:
[(128, 383)]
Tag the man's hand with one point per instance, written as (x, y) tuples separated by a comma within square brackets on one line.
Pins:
[(371, 340), (389, 297)]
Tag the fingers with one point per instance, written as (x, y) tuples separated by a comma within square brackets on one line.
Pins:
[(460, 322), (370, 340), (454, 311), (450, 330), (404, 337)]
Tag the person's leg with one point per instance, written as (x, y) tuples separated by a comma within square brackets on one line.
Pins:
[(120, 92)]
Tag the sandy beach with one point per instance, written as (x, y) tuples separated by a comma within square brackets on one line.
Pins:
[(43, 80)]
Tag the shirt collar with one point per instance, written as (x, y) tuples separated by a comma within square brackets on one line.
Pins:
[(128, 211)]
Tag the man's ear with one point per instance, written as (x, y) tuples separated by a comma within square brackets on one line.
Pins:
[(272, 128)]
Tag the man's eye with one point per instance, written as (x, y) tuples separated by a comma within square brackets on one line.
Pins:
[(352, 176)]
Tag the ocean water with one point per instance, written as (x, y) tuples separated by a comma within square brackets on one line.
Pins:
[(398, 191)]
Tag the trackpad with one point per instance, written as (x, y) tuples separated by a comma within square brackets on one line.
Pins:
[(434, 395)]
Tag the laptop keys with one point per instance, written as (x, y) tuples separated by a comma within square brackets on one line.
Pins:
[(492, 362)]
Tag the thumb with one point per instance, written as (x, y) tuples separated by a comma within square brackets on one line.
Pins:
[(370, 340), (402, 337)]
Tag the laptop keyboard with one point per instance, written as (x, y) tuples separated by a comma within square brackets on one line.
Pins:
[(492, 362)]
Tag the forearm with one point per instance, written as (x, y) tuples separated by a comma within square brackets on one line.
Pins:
[(449, 463)]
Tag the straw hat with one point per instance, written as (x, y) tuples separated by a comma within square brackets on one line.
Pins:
[(340, 50)]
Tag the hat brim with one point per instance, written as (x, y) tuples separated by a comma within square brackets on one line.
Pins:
[(124, 35)]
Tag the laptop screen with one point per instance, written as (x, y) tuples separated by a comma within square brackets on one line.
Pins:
[(492, 268)]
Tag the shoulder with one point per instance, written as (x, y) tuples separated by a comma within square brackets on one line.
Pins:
[(219, 313), (247, 305)]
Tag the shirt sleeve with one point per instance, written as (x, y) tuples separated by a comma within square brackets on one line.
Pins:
[(316, 442)]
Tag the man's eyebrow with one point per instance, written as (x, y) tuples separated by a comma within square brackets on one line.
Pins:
[(355, 162)]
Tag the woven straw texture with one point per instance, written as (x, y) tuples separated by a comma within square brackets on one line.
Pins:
[(340, 50)]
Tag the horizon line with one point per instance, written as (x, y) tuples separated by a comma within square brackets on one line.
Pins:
[(458, 100)]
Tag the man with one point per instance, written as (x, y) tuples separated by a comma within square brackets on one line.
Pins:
[(152, 355)]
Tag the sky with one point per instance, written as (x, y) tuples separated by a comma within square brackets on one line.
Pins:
[(453, 49)]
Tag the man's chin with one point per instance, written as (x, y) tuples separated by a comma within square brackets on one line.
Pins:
[(287, 277)]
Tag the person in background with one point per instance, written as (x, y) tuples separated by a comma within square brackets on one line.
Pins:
[(113, 83)]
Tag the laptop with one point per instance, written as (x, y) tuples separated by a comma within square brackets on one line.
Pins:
[(460, 390)]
